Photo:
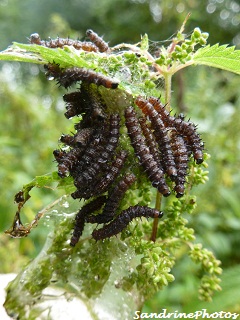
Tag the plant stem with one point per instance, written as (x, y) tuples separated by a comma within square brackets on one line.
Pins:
[(158, 202), (168, 90)]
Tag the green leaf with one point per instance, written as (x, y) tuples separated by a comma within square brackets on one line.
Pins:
[(66, 57), (222, 57), (13, 54), (46, 181)]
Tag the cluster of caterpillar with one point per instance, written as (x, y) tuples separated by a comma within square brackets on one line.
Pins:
[(94, 156), (163, 144), (95, 161)]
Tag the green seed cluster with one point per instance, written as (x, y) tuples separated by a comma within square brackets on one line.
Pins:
[(153, 272), (211, 266)]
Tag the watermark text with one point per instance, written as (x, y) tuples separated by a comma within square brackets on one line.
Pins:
[(199, 314)]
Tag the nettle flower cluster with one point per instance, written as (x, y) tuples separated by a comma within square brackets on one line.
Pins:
[(182, 53), (95, 157)]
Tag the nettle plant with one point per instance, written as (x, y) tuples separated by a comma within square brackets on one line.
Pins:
[(128, 147)]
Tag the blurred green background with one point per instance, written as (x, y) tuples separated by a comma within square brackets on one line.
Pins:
[(31, 121)]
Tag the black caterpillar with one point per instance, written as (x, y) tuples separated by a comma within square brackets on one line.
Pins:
[(115, 197), (111, 173), (180, 153), (80, 218), (161, 134), (151, 140), (154, 172), (61, 42), (123, 219), (184, 128), (98, 41), (96, 44), (66, 77)]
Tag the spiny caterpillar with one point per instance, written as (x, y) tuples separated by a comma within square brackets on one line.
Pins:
[(154, 172), (161, 133), (61, 42), (184, 128), (98, 41), (69, 76), (123, 219), (96, 44)]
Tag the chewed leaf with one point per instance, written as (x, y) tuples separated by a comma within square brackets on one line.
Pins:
[(18, 229), (66, 57), (21, 55), (222, 57), (46, 181)]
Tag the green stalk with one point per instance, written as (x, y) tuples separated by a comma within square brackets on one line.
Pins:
[(168, 90), (158, 202)]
